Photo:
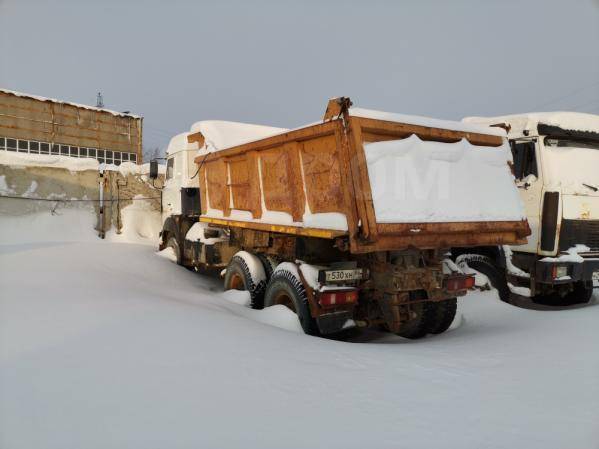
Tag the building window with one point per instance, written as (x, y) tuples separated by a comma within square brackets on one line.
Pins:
[(35, 147)]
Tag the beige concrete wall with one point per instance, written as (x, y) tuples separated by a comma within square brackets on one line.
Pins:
[(63, 187)]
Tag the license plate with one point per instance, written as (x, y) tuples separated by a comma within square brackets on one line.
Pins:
[(343, 275), (596, 275)]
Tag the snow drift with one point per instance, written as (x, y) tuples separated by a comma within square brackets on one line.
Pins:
[(424, 181)]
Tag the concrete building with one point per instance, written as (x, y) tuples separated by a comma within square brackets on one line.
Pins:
[(38, 125)]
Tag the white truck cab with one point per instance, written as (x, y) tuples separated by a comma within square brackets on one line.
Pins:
[(181, 190), (180, 171), (556, 166)]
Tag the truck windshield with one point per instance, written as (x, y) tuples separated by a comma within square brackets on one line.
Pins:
[(568, 143), (572, 164)]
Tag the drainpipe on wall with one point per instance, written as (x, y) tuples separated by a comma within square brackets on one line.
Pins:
[(101, 183)]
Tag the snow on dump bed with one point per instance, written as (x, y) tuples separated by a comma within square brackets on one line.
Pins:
[(415, 181), (575, 121), (219, 134), (425, 121)]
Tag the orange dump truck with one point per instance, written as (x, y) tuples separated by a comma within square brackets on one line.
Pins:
[(348, 222)]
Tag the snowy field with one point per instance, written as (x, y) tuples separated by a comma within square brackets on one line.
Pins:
[(105, 344)]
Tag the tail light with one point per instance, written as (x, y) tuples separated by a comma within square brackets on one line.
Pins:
[(338, 297), (559, 271), (456, 283)]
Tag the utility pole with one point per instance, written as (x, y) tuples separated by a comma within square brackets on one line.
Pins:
[(99, 100)]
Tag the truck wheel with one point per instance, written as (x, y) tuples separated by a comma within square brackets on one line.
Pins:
[(239, 277), (581, 294), (269, 263), (486, 266), (443, 313), (286, 289), (172, 243), (418, 326)]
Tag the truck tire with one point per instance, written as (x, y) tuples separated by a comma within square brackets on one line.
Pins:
[(286, 289), (581, 294), (443, 314), (239, 277), (269, 263), (418, 326), (486, 266), (172, 243)]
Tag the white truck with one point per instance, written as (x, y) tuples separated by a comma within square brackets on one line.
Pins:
[(556, 166), (347, 221)]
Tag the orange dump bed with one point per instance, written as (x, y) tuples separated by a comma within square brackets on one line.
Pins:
[(314, 181)]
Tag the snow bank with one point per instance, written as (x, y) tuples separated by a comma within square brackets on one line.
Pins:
[(77, 223), (110, 346), (276, 316), (73, 164), (40, 160), (426, 121), (575, 121), (65, 225), (141, 223), (424, 181)]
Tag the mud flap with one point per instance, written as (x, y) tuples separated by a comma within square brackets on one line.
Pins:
[(330, 323)]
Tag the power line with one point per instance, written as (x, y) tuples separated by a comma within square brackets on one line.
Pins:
[(572, 93), (587, 103), (75, 200)]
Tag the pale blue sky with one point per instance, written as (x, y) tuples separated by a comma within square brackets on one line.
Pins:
[(277, 62)]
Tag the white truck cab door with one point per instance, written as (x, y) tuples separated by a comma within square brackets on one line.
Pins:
[(529, 179), (171, 193)]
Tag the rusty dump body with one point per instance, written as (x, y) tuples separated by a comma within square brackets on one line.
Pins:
[(263, 200), (323, 167)]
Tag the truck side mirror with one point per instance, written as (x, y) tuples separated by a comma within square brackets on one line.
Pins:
[(153, 169)]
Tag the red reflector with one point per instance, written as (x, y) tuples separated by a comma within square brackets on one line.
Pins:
[(339, 297), (459, 283), (469, 282)]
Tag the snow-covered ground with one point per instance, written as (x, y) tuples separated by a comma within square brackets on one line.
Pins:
[(109, 345)]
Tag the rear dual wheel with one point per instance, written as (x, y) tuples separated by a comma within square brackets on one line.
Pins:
[(284, 288), (443, 314), (428, 317)]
